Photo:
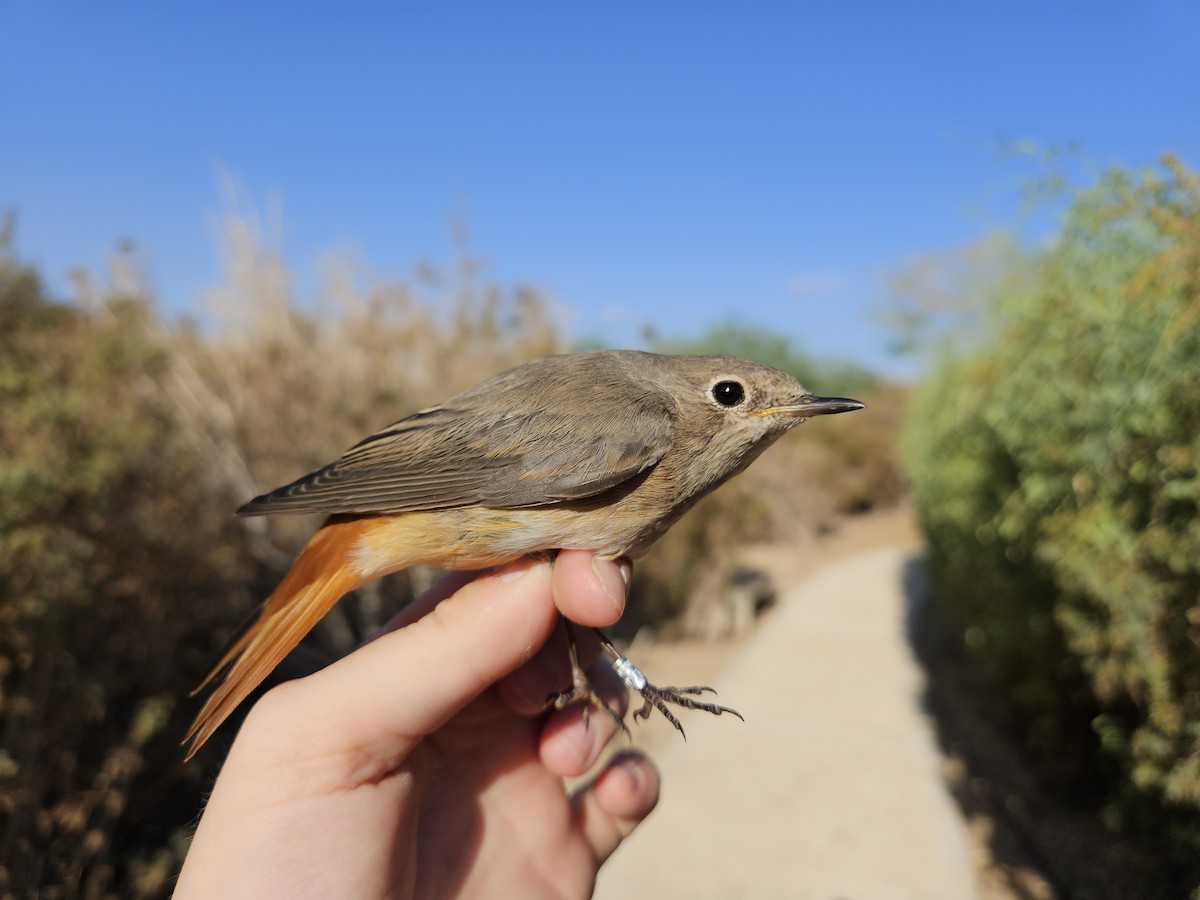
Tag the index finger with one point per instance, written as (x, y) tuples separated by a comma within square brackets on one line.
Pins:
[(371, 708)]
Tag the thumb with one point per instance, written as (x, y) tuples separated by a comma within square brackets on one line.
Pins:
[(372, 707)]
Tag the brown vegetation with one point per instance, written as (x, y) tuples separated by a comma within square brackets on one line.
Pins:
[(128, 440)]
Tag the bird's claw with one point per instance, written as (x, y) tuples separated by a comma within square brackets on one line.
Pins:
[(658, 697), (582, 692), (653, 697)]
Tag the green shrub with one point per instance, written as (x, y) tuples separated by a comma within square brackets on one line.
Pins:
[(1057, 475)]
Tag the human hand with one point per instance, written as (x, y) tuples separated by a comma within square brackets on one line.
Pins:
[(423, 765)]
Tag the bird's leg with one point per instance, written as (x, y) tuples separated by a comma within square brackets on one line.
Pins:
[(581, 688), (659, 697)]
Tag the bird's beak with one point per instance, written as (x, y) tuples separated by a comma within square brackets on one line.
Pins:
[(809, 406)]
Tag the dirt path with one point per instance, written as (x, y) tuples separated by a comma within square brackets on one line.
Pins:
[(831, 788)]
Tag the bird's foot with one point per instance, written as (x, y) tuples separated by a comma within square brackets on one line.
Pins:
[(581, 690), (655, 697)]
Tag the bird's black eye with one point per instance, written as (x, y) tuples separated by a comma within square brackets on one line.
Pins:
[(728, 393)]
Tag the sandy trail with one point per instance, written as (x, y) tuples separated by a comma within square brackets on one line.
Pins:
[(831, 788)]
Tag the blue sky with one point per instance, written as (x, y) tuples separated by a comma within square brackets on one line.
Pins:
[(671, 164)]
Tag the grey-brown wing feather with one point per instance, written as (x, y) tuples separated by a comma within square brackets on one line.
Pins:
[(527, 452)]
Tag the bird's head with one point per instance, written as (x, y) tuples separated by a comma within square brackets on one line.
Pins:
[(730, 409)]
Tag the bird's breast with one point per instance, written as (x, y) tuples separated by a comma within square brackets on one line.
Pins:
[(619, 523)]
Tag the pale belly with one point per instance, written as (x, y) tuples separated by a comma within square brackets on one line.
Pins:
[(476, 537)]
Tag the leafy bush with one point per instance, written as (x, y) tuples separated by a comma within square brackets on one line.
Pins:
[(1056, 470)]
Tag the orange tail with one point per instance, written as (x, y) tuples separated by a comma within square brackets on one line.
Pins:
[(317, 580)]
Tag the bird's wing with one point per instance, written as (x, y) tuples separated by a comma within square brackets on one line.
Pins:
[(454, 456)]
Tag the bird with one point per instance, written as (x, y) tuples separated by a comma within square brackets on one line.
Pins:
[(600, 450)]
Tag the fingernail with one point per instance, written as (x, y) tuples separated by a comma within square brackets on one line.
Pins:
[(516, 569), (631, 766), (614, 587), (595, 739)]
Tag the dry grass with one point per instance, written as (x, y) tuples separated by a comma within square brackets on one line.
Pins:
[(123, 570)]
